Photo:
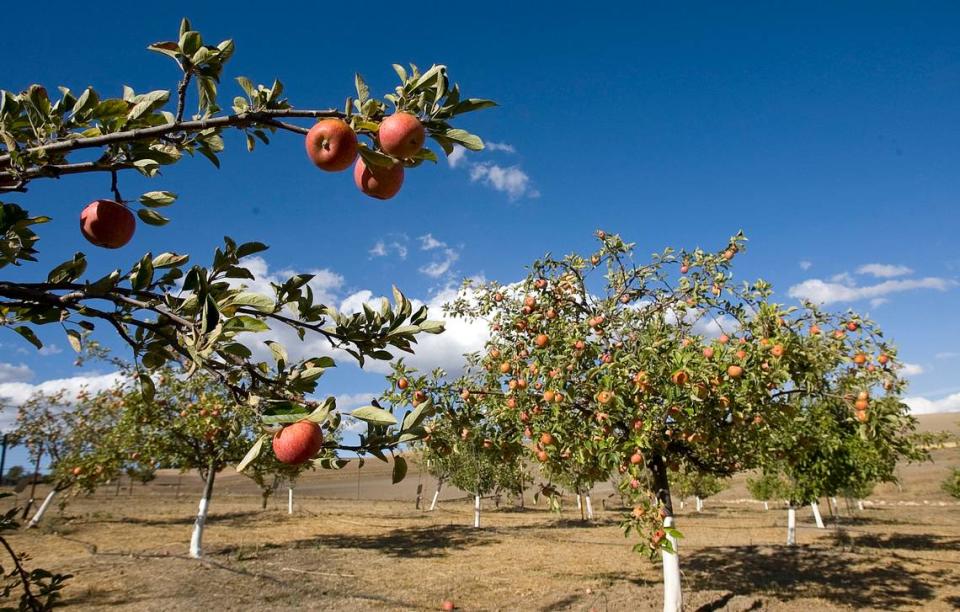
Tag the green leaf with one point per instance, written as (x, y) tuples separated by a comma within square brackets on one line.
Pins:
[(400, 72), (253, 300), (147, 103), (363, 92), (374, 415), (320, 414), (151, 217), (252, 454), (147, 388), (28, 334), (279, 352), (249, 248), (471, 104), (244, 323), (464, 138), (399, 469), (155, 199), (246, 85), (190, 41), (376, 158), (432, 327), (169, 260), (169, 48)]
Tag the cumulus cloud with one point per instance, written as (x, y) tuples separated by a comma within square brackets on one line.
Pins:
[(511, 180), (457, 156), (840, 289), (923, 405), (499, 146), (947, 355), (18, 392), (884, 270), (10, 373), (805, 265)]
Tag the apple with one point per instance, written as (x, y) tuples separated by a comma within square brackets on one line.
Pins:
[(401, 135), (604, 397), (377, 181), (546, 438), (107, 224), (679, 378), (708, 352), (734, 371), (447, 605), (332, 145), (402, 384), (297, 443), (636, 458), (542, 340)]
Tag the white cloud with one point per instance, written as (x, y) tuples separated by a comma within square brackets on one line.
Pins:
[(844, 278), (806, 265), (456, 156), (354, 302), (827, 292), (16, 393), (10, 373), (947, 355), (499, 146), (438, 268), (880, 301), (911, 369), (325, 283), (49, 349), (922, 405), (383, 248), (884, 270), (428, 243), (512, 180)]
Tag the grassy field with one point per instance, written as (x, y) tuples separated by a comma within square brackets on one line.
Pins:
[(127, 549)]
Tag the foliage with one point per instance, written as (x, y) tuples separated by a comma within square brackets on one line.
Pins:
[(39, 588), (691, 482), (763, 487), (644, 367), (951, 485), (200, 317)]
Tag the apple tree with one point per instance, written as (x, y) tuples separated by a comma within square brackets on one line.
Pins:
[(681, 364), (685, 483)]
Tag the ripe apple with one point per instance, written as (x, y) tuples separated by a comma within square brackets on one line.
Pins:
[(853, 325), (402, 383), (419, 397), (297, 443), (447, 605), (679, 378), (708, 352), (723, 339), (777, 350), (862, 416), (331, 145), (636, 458), (107, 224), (734, 371), (883, 359), (542, 456), (377, 181), (684, 269), (604, 397), (546, 438), (77, 471), (549, 396), (401, 135), (814, 330), (859, 359), (542, 340), (728, 254)]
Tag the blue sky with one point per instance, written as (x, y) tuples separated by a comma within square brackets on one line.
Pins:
[(829, 135)]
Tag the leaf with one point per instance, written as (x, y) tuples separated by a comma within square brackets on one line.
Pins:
[(363, 92), (244, 323), (374, 415), (432, 327), (471, 104), (252, 454), (147, 103), (190, 41), (147, 388), (169, 260), (320, 414), (254, 300), (376, 158), (279, 352), (28, 334), (169, 48), (74, 338), (155, 199), (246, 85), (399, 469), (151, 217), (249, 248), (464, 138), (400, 72)]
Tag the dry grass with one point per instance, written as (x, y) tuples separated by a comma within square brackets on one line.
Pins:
[(128, 551)]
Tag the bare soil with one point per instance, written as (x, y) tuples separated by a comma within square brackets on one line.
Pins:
[(127, 549)]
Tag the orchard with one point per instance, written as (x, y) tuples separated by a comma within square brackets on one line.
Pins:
[(554, 456)]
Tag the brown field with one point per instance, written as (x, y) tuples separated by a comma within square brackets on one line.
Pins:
[(338, 551)]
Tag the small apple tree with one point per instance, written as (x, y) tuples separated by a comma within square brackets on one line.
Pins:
[(680, 363), (701, 485)]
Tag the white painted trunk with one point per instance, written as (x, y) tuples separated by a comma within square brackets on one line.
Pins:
[(672, 596), (436, 494), (699, 505), (289, 500), (589, 506), (766, 506), (196, 539), (579, 503), (681, 504), (834, 506), (860, 505), (476, 511), (791, 526), (42, 509), (816, 514)]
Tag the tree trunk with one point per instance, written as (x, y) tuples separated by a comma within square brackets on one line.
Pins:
[(476, 510), (419, 496), (766, 506), (33, 485), (816, 514), (672, 592), (791, 526), (834, 507), (42, 509), (860, 505), (699, 504), (290, 499), (586, 498), (196, 539), (436, 494)]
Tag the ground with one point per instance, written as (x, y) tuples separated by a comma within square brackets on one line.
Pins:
[(127, 550)]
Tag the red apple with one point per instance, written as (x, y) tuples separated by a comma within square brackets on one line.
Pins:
[(377, 181), (297, 443), (401, 135), (107, 224), (332, 145)]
